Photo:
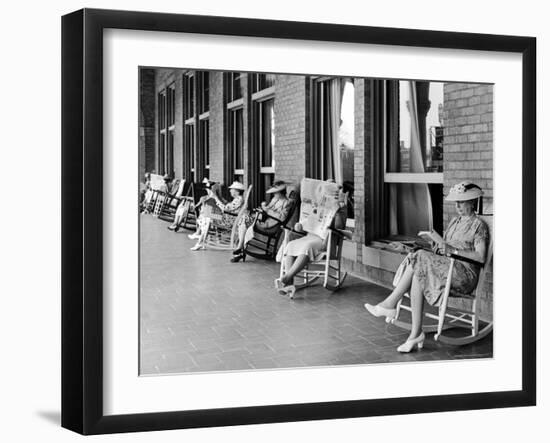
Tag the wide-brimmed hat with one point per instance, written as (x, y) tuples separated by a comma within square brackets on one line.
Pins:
[(207, 182), (464, 191), (277, 186), (237, 185)]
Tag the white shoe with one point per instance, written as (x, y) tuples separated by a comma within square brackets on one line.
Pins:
[(197, 247), (193, 236), (278, 284), (379, 311), (409, 345)]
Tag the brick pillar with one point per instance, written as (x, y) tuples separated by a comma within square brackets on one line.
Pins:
[(217, 128), (147, 113), (291, 127)]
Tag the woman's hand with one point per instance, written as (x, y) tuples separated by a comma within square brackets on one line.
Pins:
[(298, 227), (445, 249), (263, 205)]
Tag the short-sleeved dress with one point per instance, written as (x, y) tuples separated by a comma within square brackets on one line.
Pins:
[(463, 233), (311, 244)]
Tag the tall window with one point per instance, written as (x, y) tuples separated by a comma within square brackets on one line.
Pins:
[(204, 116), (320, 160), (236, 142), (189, 120), (331, 153), (413, 175), (262, 81), (166, 121), (263, 127), (234, 168), (346, 143), (235, 86)]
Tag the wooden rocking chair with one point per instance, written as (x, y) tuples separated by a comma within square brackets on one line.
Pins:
[(449, 317), (171, 202), (265, 241), (221, 238), (161, 198), (327, 264)]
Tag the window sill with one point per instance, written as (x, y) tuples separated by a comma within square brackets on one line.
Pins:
[(378, 256)]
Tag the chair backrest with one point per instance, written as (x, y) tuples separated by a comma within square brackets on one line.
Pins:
[(488, 219), (181, 186), (175, 186)]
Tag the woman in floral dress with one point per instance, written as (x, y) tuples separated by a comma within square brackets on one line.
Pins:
[(203, 223), (426, 272), (276, 211)]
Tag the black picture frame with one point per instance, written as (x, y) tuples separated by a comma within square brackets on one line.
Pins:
[(82, 231)]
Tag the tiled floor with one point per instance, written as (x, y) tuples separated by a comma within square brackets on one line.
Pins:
[(199, 312)]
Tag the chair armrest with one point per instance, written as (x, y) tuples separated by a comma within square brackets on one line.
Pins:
[(348, 235), (466, 259)]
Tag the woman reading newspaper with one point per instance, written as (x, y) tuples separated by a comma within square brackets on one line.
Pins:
[(423, 273), (299, 252)]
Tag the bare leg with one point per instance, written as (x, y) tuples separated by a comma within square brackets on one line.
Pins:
[(417, 308), (293, 266), (242, 231), (390, 302)]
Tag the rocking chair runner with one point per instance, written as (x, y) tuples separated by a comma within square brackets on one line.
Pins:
[(265, 241), (221, 238), (453, 317)]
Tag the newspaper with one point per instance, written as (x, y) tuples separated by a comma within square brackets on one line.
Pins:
[(157, 182), (319, 205)]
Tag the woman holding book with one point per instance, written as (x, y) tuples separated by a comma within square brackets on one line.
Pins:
[(425, 272)]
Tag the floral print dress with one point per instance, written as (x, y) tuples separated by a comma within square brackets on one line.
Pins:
[(463, 233)]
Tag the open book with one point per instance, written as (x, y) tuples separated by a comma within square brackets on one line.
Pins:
[(431, 236)]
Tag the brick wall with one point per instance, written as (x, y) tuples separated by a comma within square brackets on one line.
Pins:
[(291, 134), (146, 121), (468, 151), (468, 139)]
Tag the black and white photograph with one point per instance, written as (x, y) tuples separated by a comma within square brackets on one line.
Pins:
[(294, 221)]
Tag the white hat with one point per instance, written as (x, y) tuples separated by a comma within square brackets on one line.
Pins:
[(277, 186), (237, 185), (464, 191)]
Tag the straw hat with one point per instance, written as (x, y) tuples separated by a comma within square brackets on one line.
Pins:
[(277, 186), (464, 191), (237, 185)]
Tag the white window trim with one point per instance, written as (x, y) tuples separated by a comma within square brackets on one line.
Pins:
[(413, 177), (267, 170), (235, 104), (264, 94), (204, 115)]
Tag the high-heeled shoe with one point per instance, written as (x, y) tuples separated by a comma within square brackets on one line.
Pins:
[(237, 258), (409, 345), (238, 251), (379, 311), (197, 247)]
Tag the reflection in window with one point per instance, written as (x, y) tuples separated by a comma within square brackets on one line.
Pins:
[(420, 147), (346, 142)]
